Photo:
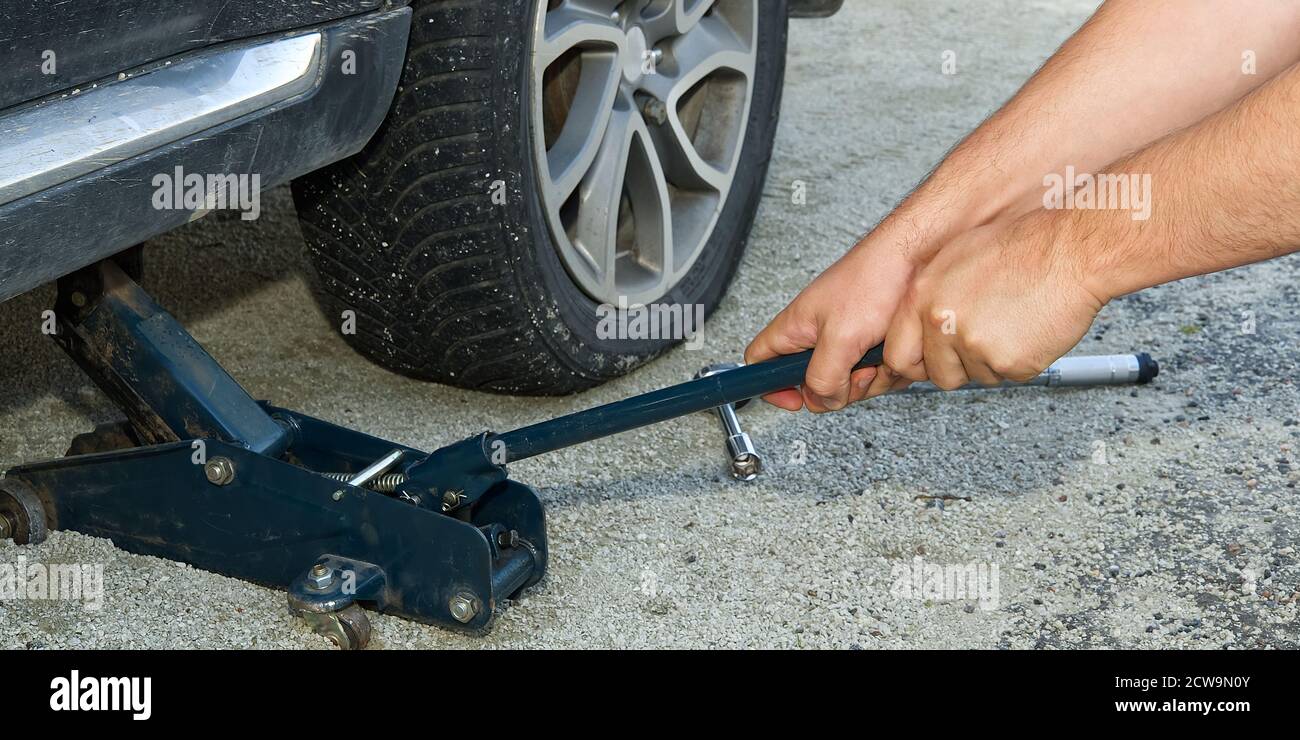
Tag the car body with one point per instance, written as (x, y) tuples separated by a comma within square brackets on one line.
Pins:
[(100, 100)]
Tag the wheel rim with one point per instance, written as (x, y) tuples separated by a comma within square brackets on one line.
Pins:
[(638, 112)]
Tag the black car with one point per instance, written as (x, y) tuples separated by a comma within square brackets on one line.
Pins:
[(474, 178)]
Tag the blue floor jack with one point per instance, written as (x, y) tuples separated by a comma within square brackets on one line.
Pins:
[(200, 472)]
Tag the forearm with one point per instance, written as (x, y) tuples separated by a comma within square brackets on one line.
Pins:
[(1137, 70), (1223, 193)]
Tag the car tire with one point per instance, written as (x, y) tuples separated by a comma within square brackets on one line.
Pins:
[(433, 248)]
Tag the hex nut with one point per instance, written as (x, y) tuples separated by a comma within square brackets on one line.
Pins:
[(464, 606), (320, 577), (220, 471)]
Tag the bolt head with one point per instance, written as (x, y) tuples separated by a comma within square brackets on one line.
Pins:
[(463, 606), (219, 471), (337, 495)]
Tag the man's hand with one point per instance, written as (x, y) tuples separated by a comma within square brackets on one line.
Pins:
[(1013, 298), (842, 314), (994, 304)]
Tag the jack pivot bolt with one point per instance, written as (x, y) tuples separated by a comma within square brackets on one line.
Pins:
[(219, 471), (463, 606)]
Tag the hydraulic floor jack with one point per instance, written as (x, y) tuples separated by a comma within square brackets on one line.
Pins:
[(200, 472)]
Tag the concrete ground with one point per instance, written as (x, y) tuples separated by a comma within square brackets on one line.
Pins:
[(1163, 516)]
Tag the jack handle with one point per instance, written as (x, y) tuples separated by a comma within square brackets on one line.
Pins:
[(683, 399)]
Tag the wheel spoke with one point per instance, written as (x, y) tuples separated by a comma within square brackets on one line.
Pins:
[(652, 207), (626, 162), (595, 230), (600, 41), (571, 25), (585, 127), (682, 161)]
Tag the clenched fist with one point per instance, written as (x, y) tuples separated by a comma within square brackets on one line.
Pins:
[(994, 304)]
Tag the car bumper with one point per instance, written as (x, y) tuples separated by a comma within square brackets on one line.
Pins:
[(81, 174)]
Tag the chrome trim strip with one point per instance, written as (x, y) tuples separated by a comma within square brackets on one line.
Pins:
[(62, 139)]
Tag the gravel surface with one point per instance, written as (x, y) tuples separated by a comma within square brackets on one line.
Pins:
[(1163, 516)]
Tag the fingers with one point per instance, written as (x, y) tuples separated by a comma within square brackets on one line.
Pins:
[(884, 380), (785, 335), (903, 353), (789, 399), (827, 386), (942, 363), (904, 350), (900, 384), (860, 381), (978, 370)]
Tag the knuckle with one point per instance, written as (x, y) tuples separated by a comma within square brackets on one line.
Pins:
[(938, 317), (821, 385), (1022, 375), (915, 372), (839, 333), (947, 383), (978, 344), (1002, 367), (900, 357), (1013, 369)]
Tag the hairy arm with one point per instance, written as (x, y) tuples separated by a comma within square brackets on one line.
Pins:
[(1224, 192), (1137, 70)]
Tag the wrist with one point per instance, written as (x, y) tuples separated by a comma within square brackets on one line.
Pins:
[(914, 231), (950, 203), (1083, 249)]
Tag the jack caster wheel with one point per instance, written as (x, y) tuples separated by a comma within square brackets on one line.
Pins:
[(22, 518), (348, 628)]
